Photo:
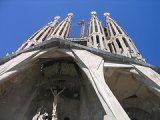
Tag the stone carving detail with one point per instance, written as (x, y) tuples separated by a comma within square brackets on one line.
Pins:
[(55, 94), (41, 114)]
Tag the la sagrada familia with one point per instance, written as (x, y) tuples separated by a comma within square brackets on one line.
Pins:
[(100, 75)]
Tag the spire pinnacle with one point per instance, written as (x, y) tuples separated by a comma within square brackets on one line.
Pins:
[(107, 15), (57, 18), (63, 28), (93, 13), (70, 14), (55, 21)]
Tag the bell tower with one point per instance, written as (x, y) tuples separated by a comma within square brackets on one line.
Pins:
[(119, 41), (96, 36), (62, 30)]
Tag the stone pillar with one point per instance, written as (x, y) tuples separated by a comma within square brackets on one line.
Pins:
[(94, 70)]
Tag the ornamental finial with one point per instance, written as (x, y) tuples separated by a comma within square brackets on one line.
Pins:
[(70, 14), (93, 13), (57, 17), (107, 14)]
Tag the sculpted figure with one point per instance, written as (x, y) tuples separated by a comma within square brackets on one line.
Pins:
[(43, 116), (39, 115), (55, 94), (35, 117)]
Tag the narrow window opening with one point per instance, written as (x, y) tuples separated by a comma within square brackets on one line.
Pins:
[(32, 45), (119, 44), (66, 32), (92, 40), (97, 38), (50, 31), (113, 30), (103, 39), (103, 42), (24, 46), (100, 27), (91, 27), (46, 35), (33, 35), (110, 47), (125, 42), (96, 29), (64, 26), (41, 34), (117, 28), (114, 47), (105, 31), (57, 28)]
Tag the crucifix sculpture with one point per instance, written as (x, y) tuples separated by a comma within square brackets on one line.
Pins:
[(55, 93)]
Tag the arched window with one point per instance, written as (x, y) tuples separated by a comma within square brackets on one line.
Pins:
[(119, 44)]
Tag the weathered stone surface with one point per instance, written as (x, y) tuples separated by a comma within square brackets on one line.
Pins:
[(73, 82)]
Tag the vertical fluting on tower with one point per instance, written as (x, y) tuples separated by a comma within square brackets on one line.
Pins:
[(62, 30), (96, 36), (119, 41), (40, 35)]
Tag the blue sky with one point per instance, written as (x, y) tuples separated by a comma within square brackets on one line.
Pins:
[(19, 19)]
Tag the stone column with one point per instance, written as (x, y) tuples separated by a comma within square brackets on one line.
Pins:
[(94, 70)]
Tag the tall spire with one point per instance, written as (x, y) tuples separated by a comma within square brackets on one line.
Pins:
[(62, 30), (40, 35), (53, 24), (119, 41), (96, 36)]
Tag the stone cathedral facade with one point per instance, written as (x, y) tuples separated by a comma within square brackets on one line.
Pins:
[(100, 75)]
